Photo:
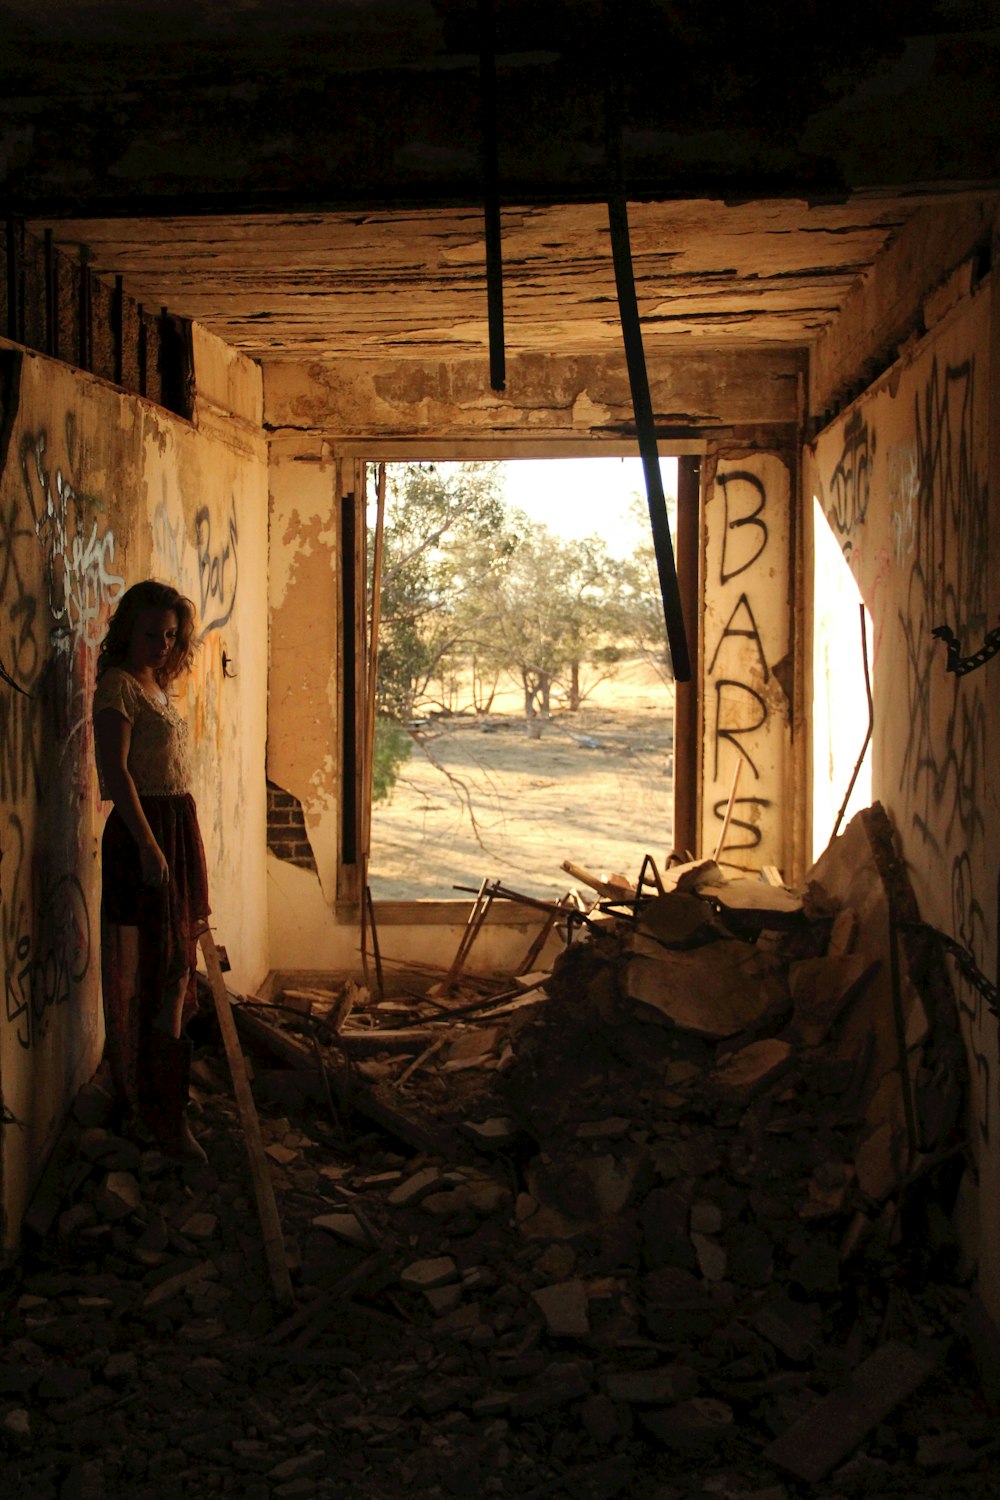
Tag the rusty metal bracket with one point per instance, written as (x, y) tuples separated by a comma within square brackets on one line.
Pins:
[(962, 664), (965, 960)]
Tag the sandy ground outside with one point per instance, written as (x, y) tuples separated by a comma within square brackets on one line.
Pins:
[(480, 798)]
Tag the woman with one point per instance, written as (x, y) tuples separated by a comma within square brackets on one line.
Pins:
[(154, 881)]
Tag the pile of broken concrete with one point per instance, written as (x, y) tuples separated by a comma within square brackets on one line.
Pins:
[(692, 1231)]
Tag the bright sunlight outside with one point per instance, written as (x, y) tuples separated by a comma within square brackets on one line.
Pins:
[(525, 699)]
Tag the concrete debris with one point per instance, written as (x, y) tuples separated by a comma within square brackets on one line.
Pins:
[(657, 1248)]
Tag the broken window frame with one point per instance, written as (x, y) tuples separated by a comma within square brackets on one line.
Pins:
[(354, 657)]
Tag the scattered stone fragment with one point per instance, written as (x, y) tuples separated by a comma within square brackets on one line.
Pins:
[(701, 1422), (170, 1287), (111, 1151), (422, 1275), (558, 1384), (814, 1446), (443, 1299), (63, 1382), (879, 1161), (611, 1129), (657, 1387), (792, 1327), (118, 1196), (16, 1425), (79, 1216), (711, 1257), (93, 1105), (346, 1227), (557, 1261), (469, 1049), (706, 1218), (282, 1155), (742, 1075), (494, 1134), (714, 992), (601, 1419), (200, 1226), (943, 1450), (313, 1461), (121, 1368), (416, 1187), (821, 990), (564, 1308)]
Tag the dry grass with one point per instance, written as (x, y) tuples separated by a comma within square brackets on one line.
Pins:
[(479, 797)]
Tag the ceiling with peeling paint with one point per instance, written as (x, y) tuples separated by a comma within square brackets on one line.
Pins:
[(412, 284), (305, 179)]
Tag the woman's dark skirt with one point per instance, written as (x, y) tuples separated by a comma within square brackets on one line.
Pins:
[(142, 966)]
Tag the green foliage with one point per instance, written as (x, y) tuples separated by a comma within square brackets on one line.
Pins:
[(446, 531), (468, 583), (548, 610), (392, 749), (637, 615)]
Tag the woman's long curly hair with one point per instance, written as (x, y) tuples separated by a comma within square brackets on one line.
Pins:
[(150, 594)]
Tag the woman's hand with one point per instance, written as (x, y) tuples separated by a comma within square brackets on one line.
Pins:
[(155, 870)]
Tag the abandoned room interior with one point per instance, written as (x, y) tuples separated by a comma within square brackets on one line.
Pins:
[(686, 1181)]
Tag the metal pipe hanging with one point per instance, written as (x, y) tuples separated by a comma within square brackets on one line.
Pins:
[(642, 404), (491, 193)]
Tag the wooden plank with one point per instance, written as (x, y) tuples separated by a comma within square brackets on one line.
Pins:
[(365, 1101), (267, 1209), (611, 889), (827, 1434)]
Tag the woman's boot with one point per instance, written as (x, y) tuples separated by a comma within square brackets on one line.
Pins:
[(164, 1076)]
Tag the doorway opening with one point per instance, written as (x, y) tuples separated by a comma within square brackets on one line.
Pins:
[(524, 697)]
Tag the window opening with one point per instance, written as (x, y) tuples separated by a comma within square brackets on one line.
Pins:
[(524, 698)]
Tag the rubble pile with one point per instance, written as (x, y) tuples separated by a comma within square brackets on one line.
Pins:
[(677, 1224)]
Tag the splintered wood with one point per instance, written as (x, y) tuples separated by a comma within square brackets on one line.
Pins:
[(267, 1209)]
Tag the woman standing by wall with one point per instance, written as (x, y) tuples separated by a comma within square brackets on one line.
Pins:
[(154, 896)]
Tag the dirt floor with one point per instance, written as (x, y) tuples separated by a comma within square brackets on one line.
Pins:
[(479, 797)]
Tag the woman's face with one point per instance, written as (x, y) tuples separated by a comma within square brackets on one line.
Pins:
[(154, 636)]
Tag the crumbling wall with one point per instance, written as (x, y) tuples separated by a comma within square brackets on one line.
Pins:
[(304, 729), (98, 490), (902, 479)]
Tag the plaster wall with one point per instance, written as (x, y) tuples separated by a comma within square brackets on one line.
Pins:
[(303, 730), (307, 936), (547, 395), (746, 668), (98, 490), (902, 479)]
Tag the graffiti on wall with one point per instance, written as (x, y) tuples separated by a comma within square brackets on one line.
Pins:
[(59, 582), (202, 560), (933, 572), (945, 757), (46, 937), (851, 479), (739, 676), (82, 583), (203, 565)]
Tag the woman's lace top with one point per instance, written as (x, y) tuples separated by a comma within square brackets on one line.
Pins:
[(158, 756)]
